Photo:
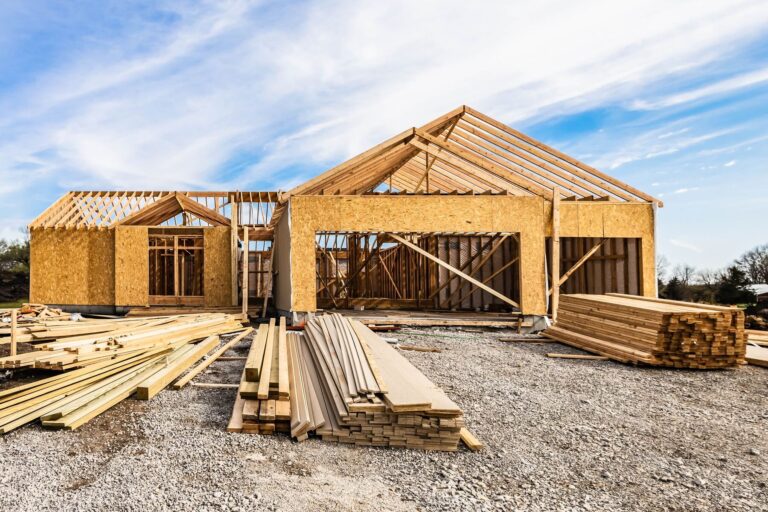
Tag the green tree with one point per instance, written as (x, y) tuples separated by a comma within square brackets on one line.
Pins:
[(733, 287)]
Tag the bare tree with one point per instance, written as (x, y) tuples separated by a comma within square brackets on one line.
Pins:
[(684, 273), (754, 263), (708, 277), (662, 267)]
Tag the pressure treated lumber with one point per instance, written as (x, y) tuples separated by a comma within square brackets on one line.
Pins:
[(652, 331), (211, 359)]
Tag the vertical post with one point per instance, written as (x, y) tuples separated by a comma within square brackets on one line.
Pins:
[(555, 251), (234, 234), (14, 315), (175, 266), (245, 273)]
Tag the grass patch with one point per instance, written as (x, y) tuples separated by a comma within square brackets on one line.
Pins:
[(11, 305)]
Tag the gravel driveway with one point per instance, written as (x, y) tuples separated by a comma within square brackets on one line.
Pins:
[(559, 434)]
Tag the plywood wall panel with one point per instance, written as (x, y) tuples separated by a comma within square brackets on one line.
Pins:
[(71, 266), (282, 243), (131, 266), (217, 286)]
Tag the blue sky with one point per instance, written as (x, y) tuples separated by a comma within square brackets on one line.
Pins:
[(671, 97)]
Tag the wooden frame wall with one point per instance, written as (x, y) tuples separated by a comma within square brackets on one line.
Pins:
[(375, 271)]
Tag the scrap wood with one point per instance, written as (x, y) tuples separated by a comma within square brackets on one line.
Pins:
[(470, 441), (418, 348), (578, 356), (526, 340)]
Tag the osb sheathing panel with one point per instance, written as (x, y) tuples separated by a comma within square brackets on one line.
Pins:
[(72, 266), (455, 214), (282, 268), (131, 266), (217, 286), (612, 220)]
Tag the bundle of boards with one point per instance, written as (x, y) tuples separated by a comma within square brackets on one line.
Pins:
[(347, 385), (140, 363), (32, 313), (263, 401), (652, 331)]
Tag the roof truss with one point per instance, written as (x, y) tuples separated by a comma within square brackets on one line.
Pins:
[(465, 151)]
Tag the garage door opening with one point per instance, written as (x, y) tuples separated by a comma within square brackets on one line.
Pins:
[(418, 271)]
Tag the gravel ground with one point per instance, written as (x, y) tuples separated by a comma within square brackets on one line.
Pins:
[(559, 435)]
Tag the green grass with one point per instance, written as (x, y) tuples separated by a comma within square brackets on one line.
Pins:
[(10, 305)]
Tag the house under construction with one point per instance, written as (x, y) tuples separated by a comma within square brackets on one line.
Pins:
[(462, 214)]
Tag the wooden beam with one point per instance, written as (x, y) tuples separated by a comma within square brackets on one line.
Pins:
[(233, 250), (245, 274), (456, 271), (14, 319), (208, 362), (555, 262), (268, 280)]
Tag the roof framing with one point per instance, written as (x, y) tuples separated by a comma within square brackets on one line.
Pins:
[(465, 151)]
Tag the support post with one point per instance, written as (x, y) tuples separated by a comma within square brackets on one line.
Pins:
[(233, 264), (245, 273), (14, 320), (555, 261)]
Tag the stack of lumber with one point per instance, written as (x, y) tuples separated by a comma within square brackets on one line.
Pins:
[(65, 327), (84, 344), (759, 338), (264, 398), (347, 385), (70, 399), (652, 331)]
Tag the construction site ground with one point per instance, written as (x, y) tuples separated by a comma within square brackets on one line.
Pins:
[(559, 435)]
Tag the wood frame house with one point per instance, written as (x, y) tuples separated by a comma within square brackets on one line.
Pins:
[(464, 213)]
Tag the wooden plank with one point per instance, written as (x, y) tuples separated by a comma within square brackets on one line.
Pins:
[(14, 320), (555, 263), (205, 364), (266, 364), (577, 356), (154, 384), (757, 356), (470, 441), (256, 354), (282, 365), (245, 274)]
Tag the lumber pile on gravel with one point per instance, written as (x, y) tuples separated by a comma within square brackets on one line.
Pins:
[(657, 332), (109, 369), (264, 395), (79, 344), (347, 385)]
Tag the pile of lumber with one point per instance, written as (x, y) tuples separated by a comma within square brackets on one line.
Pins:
[(141, 363), (759, 338), (29, 313), (652, 331), (79, 344), (347, 385), (263, 403)]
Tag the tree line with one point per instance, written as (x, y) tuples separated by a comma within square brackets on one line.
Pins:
[(14, 270), (730, 285)]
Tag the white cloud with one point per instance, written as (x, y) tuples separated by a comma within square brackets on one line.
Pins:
[(724, 86), (685, 190), (730, 164), (307, 87), (685, 245)]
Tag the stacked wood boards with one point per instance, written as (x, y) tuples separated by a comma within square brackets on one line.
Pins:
[(264, 399), (80, 344), (32, 313), (759, 338), (347, 385), (72, 398), (657, 332)]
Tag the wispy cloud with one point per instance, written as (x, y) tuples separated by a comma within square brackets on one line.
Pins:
[(685, 245), (730, 163), (724, 86)]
